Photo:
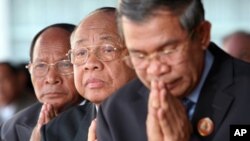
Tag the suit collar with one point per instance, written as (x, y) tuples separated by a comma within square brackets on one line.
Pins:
[(24, 129), (24, 132), (214, 100), (143, 91), (89, 111)]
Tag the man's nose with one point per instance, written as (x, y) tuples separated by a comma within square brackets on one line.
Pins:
[(157, 68), (92, 63), (52, 76)]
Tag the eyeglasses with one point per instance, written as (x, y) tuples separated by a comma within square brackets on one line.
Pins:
[(105, 52), (173, 54), (40, 69)]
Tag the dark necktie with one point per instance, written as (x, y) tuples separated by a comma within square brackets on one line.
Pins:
[(188, 105)]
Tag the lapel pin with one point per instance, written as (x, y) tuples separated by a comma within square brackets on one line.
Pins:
[(205, 126)]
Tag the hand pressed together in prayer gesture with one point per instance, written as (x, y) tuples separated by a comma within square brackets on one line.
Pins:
[(167, 119), (47, 113), (92, 131)]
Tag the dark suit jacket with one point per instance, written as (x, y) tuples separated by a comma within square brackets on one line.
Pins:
[(21, 102), (19, 128), (224, 98), (71, 125)]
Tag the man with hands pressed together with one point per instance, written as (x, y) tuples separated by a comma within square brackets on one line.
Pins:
[(52, 77), (184, 79), (97, 53)]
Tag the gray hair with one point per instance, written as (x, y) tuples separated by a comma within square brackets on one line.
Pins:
[(190, 12)]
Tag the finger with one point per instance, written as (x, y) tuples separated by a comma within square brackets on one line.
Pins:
[(35, 135), (171, 127), (173, 119), (166, 114), (172, 116), (92, 131), (47, 115), (169, 120), (164, 123), (164, 96), (41, 118), (51, 112), (55, 112), (153, 128), (153, 96)]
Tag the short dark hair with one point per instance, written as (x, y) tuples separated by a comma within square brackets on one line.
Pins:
[(105, 9), (68, 27), (190, 12)]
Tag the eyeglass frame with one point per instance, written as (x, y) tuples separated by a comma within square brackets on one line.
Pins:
[(29, 67), (90, 50), (148, 57)]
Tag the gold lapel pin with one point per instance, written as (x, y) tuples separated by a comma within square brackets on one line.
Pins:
[(205, 126)]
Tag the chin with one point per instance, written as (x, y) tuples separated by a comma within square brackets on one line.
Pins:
[(96, 101), (177, 93)]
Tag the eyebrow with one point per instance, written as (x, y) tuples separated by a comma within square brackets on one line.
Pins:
[(106, 37), (80, 41), (159, 47), (103, 37), (43, 60)]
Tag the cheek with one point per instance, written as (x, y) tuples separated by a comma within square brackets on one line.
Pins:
[(78, 77), (143, 77), (190, 74), (184, 70), (121, 75), (37, 84), (69, 85)]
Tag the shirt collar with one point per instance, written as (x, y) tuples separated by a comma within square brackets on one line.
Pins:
[(209, 59)]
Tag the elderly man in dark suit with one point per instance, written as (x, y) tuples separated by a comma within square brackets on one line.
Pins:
[(53, 81), (170, 50), (97, 52)]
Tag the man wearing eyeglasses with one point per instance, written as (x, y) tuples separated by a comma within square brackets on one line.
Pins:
[(97, 53), (177, 65), (52, 77)]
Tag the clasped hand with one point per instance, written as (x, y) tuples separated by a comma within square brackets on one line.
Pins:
[(167, 119), (47, 113)]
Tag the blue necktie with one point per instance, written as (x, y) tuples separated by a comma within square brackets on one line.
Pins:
[(189, 106)]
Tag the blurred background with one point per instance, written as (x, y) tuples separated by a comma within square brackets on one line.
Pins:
[(22, 19)]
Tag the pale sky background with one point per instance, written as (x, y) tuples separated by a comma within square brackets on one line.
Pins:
[(22, 19)]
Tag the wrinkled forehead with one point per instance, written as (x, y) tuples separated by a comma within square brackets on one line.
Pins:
[(94, 36)]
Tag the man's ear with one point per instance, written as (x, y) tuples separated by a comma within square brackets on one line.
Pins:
[(204, 31)]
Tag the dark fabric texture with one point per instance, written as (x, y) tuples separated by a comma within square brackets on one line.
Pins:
[(19, 128), (188, 106), (71, 125), (224, 98)]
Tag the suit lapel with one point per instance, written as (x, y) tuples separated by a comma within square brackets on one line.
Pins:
[(214, 100), (89, 111), (143, 92), (25, 128), (23, 132), (139, 106)]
